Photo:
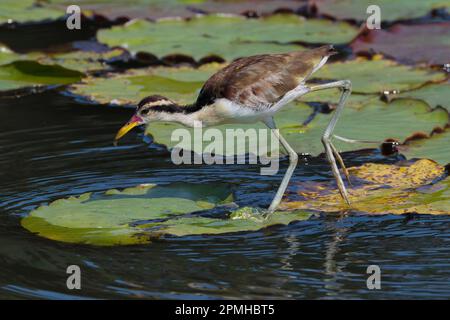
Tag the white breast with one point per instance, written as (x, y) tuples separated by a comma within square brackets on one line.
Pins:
[(226, 111)]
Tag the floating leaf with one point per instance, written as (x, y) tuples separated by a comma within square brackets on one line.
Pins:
[(252, 222), (112, 218), (113, 9), (381, 189), (227, 36), (427, 43), (369, 119), (433, 94), (26, 11), (180, 84), (375, 121), (332, 96), (83, 61), (25, 74), (390, 10), (137, 215), (377, 76), (437, 147), (8, 56)]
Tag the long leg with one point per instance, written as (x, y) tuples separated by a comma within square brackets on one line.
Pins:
[(293, 159), (330, 150)]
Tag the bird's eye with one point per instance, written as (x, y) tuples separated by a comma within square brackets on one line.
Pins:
[(144, 112)]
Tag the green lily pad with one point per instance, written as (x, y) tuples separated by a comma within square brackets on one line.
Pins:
[(390, 10), (434, 94), (26, 11), (227, 36), (180, 84), (250, 222), (366, 118), (154, 9), (82, 61), (332, 96), (8, 56), (424, 43), (26, 74), (110, 218), (137, 215), (437, 147), (375, 121), (378, 76)]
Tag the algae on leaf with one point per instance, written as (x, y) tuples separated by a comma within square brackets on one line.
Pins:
[(412, 187)]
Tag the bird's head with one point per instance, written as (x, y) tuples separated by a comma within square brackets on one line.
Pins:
[(148, 109)]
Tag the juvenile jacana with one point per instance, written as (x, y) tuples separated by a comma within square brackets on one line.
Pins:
[(253, 89)]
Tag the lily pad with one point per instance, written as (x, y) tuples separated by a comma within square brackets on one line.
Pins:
[(154, 9), (138, 215), (112, 218), (424, 43), (378, 76), (29, 74), (229, 37), (381, 189), (26, 11), (437, 147), (8, 56), (375, 121), (236, 223), (436, 95), (180, 84), (390, 10), (82, 61)]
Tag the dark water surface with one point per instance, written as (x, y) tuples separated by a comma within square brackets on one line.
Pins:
[(51, 147)]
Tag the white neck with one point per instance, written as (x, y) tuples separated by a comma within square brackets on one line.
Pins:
[(188, 119)]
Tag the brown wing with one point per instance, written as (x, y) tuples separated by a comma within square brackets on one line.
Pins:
[(261, 79)]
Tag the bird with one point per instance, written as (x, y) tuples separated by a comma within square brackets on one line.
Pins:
[(253, 89)]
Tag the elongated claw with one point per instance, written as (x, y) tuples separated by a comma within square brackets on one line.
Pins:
[(335, 171), (341, 163)]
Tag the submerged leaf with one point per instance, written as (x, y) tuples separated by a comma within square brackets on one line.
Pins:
[(381, 189), (229, 37)]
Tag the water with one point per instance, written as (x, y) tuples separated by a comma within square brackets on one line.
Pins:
[(51, 147)]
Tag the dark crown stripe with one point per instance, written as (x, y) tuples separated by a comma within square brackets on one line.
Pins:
[(173, 108)]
